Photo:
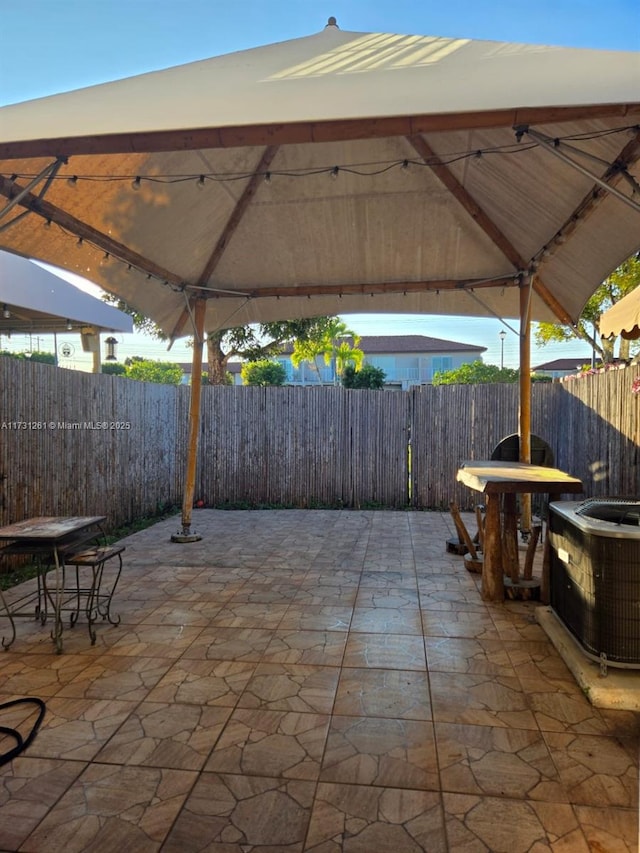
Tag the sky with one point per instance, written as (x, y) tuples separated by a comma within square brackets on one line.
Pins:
[(52, 46)]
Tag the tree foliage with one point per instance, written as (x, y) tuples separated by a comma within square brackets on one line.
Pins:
[(114, 368), (36, 355), (161, 372), (263, 372), (475, 373), (252, 343), (622, 281), (331, 341), (367, 377)]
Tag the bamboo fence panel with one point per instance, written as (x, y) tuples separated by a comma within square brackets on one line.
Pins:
[(288, 446)]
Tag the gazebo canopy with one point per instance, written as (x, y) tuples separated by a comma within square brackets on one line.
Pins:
[(342, 172), (623, 318)]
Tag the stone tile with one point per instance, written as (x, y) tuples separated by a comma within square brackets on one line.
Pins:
[(321, 596), (401, 694), (78, 728), (609, 829), (381, 752), (29, 787), (538, 661), (596, 771), (386, 620), (499, 825), (384, 578), (203, 682), (160, 641), (266, 593), (394, 597), (241, 814), (244, 615), (291, 687), (272, 743), (237, 644), (129, 678), (158, 734), (195, 613), (562, 707), (500, 762), (40, 675), (456, 654), (480, 700), (459, 623), (362, 819), (114, 808), (385, 651), (316, 618), (319, 648)]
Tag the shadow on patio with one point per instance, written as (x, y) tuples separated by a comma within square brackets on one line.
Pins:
[(311, 681)]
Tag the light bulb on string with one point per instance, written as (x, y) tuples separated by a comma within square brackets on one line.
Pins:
[(135, 183)]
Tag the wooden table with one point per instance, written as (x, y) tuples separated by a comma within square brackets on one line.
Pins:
[(47, 538), (498, 480)]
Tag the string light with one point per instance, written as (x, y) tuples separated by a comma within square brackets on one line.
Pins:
[(364, 170), (370, 169)]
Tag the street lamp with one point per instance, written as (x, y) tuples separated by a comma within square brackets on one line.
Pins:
[(502, 335)]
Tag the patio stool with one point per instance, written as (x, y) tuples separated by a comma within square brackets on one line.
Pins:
[(472, 560), (97, 599)]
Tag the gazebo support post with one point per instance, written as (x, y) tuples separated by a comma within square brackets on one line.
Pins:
[(524, 428), (186, 534)]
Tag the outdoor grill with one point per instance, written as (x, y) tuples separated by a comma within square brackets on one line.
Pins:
[(595, 575)]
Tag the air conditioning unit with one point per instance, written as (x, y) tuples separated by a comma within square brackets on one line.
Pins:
[(595, 575)]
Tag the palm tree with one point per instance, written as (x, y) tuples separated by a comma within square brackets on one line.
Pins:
[(335, 343)]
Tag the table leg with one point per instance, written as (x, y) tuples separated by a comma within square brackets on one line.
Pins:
[(510, 538), (56, 600), (8, 614), (492, 572)]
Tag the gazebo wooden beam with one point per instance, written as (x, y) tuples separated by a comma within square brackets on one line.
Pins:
[(191, 139), (592, 200), (466, 200), (79, 229), (230, 228), (359, 289)]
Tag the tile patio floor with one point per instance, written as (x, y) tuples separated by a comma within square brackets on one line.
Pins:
[(311, 681)]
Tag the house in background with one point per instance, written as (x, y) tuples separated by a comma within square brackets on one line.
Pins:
[(406, 360), (562, 366)]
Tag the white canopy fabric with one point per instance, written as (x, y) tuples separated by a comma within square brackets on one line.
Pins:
[(623, 318), (338, 173), (37, 300)]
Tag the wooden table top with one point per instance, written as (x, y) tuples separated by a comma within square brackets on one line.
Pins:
[(48, 528), (515, 477)]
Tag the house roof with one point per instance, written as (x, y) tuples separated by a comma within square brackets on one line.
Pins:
[(380, 344), (564, 363), (413, 343)]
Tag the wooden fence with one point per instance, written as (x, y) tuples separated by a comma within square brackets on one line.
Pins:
[(75, 443)]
